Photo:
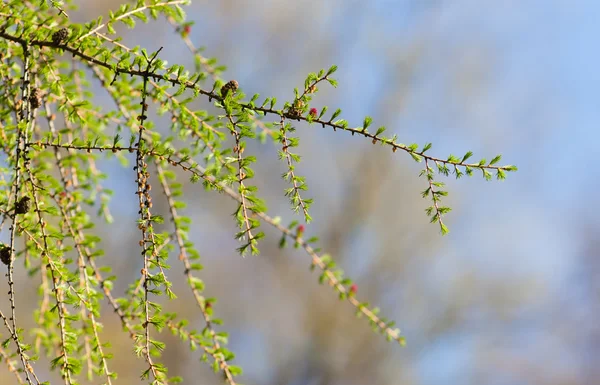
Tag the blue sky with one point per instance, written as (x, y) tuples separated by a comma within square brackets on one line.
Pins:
[(533, 97)]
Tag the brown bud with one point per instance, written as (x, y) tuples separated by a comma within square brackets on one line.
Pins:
[(60, 35), (35, 99), (5, 254), (231, 85), (22, 205)]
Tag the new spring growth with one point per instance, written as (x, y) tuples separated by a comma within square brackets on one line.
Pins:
[(208, 307), (185, 31), (299, 233)]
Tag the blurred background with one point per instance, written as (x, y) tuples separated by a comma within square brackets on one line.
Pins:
[(511, 296)]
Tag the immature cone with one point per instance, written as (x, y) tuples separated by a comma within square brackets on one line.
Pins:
[(22, 206), (5, 254), (60, 35), (231, 85), (296, 109)]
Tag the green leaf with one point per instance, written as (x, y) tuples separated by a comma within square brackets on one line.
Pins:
[(323, 112), (495, 160), (235, 370), (444, 229), (467, 156), (335, 114)]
